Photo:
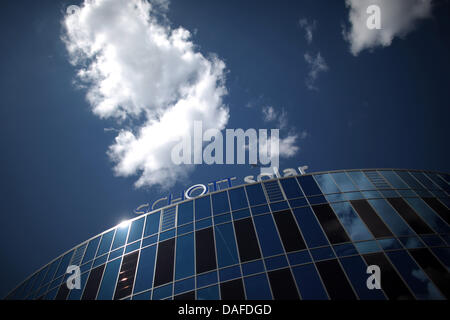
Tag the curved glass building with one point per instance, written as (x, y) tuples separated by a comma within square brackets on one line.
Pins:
[(310, 236)]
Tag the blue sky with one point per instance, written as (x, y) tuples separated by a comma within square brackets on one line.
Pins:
[(384, 104)]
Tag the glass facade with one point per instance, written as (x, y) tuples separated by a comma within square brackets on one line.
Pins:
[(300, 237)]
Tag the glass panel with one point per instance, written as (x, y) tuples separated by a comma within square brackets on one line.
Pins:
[(230, 273), (428, 215), (356, 268), (370, 217), (417, 280), (220, 203), (394, 180), (185, 260), (185, 212), (125, 281), (291, 188), (144, 276), (273, 191), (326, 183), (443, 254), (152, 224), (309, 283), (109, 280), (439, 208), (356, 229), (283, 286), (252, 267), (90, 292), (330, 224), (335, 280), (343, 181), (289, 233), (255, 194), (310, 228), (322, 253), (257, 287), (361, 180), (226, 245), (246, 239), (202, 208), (205, 250), (164, 262), (391, 217), (309, 186), (121, 237), (238, 198), (391, 282), (210, 293), (433, 268), (409, 215), (232, 290), (90, 251), (105, 244), (136, 230), (268, 235)]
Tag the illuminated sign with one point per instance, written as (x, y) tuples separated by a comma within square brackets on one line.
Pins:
[(202, 189)]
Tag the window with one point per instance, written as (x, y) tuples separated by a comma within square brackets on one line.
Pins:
[(125, 281), (205, 251), (152, 224), (273, 191), (289, 233), (209, 293), (335, 280), (370, 217), (419, 283), (309, 283), (433, 268), (232, 290), (136, 230), (202, 208), (326, 183), (121, 237), (356, 268), (428, 215), (89, 254), (90, 291), (330, 224), (257, 287), (361, 180), (246, 239), (392, 284), (291, 188), (309, 186), (344, 182), (185, 259), (105, 244), (409, 215), (226, 245), (391, 217), (164, 262), (220, 203), (144, 276), (109, 280), (268, 235), (310, 228), (168, 218), (356, 229), (394, 179), (185, 212), (238, 198), (255, 194), (440, 209), (283, 286)]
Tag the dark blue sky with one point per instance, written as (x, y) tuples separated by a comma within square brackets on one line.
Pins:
[(386, 108)]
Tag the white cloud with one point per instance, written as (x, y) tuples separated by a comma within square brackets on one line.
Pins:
[(309, 28), (398, 18), (287, 146), (316, 66), (141, 71), (269, 113)]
